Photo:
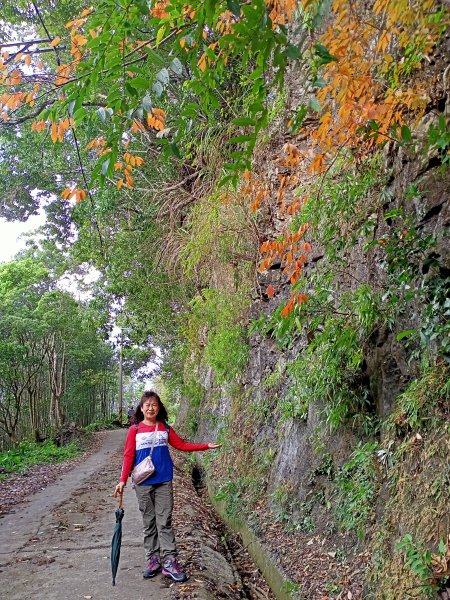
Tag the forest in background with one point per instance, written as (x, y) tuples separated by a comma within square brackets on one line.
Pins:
[(263, 189)]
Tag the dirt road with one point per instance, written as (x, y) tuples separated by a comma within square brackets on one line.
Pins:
[(56, 546)]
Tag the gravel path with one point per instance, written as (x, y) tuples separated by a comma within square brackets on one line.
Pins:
[(56, 545)]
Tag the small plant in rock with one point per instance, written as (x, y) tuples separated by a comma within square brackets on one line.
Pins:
[(439, 139), (273, 379), (193, 424), (418, 559), (284, 502), (430, 568), (291, 588), (424, 401)]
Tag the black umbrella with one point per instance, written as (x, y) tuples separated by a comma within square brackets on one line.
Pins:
[(116, 540)]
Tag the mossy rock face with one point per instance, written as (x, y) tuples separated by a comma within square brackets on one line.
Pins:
[(417, 510)]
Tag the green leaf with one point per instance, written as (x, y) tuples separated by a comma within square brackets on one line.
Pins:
[(130, 89), (405, 333), (293, 52), (233, 6), (79, 115), (114, 97), (319, 82), (190, 110), (406, 134), (160, 34), (142, 6), (234, 166), (298, 118), (243, 121), (209, 10), (262, 120), (154, 58), (324, 55), (112, 158), (174, 149), (226, 179), (140, 83)]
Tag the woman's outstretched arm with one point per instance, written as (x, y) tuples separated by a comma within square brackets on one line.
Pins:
[(180, 444)]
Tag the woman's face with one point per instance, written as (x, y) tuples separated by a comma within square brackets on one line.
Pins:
[(150, 408)]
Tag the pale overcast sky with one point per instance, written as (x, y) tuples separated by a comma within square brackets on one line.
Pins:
[(10, 232)]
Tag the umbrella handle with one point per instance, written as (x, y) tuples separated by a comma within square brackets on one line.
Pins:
[(120, 498)]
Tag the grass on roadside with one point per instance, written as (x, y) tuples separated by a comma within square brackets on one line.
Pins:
[(28, 453)]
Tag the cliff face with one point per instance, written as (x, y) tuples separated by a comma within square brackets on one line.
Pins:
[(335, 430)]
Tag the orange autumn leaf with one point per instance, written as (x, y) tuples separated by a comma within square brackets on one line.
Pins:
[(202, 62), (270, 291), (55, 42), (306, 247), (54, 133), (288, 307)]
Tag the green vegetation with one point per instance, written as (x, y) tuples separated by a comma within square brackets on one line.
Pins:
[(215, 161), (327, 372), (55, 365), (102, 424), (418, 559), (415, 434), (217, 317), (356, 484), (341, 209), (26, 454), (420, 407)]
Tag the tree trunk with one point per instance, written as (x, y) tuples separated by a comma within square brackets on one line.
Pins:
[(57, 370)]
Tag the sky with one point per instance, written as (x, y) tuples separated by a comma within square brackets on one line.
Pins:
[(11, 232)]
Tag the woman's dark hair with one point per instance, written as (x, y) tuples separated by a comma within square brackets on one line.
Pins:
[(162, 413)]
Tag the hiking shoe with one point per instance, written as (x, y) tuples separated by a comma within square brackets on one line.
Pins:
[(172, 569), (153, 566)]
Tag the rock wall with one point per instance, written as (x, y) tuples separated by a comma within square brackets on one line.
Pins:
[(288, 473)]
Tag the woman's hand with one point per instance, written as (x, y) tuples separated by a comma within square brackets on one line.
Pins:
[(212, 445), (119, 489)]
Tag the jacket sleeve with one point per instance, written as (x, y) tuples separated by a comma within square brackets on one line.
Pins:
[(179, 444), (129, 452)]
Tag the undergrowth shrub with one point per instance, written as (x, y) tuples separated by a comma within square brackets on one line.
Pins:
[(28, 453), (327, 372)]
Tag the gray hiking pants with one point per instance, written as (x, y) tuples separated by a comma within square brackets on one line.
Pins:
[(156, 504)]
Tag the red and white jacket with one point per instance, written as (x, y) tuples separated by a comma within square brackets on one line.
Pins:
[(138, 445)]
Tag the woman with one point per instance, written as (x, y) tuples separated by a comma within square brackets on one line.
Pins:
[(155, 494)]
